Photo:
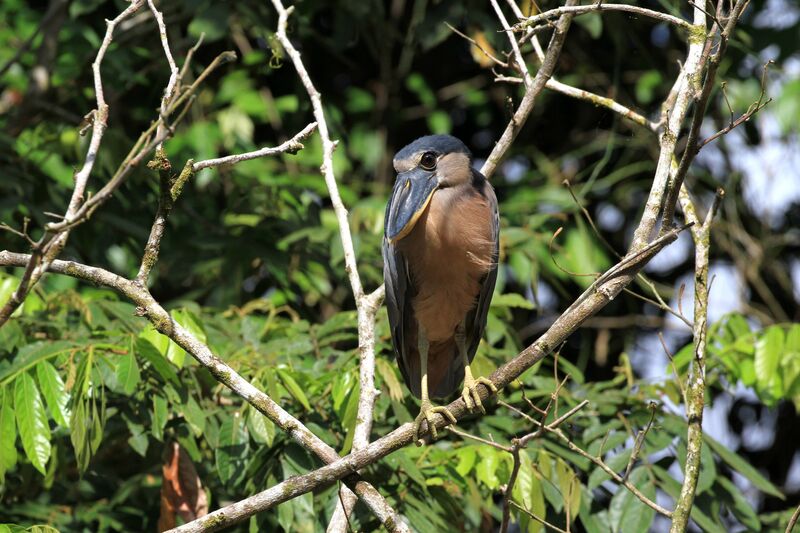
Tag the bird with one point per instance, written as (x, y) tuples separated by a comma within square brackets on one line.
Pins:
[(440, 251)]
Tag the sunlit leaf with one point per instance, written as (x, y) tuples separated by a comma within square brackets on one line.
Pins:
[(231, 448), (627, 513), (127, 372), (769, 349), (735, 461), (54, 391), (8, 433), (34, 430)]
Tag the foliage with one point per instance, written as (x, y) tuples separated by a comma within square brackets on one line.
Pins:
[(768, 361), (90, 395)]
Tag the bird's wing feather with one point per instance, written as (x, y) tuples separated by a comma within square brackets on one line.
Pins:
[(398, 304), (476, 323)]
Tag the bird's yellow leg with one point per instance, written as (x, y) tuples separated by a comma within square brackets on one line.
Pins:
[(427, 409), (470, 393)]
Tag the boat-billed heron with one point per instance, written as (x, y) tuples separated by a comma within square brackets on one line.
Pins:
[(440, 251)]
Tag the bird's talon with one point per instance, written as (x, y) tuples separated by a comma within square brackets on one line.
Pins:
[(471, 395), (426, 413), (467, 399), (486, 381)]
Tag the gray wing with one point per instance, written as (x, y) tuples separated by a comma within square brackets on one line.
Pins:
[(398, 304), (476, 320)]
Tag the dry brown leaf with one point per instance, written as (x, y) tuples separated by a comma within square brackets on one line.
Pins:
[(182, 492)]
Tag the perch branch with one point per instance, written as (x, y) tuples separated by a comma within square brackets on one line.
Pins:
[(595, 298), (563, 327), (701, 89), (291, 146)]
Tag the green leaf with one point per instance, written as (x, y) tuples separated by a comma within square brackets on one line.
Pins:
[(511, 300), (262, 429), (294, 389), (616, 463), (194, 415), (30, 355), (439, 122), (231, 449), (646, 86), (486, 470), (570, 487), (78, 434), (8, 434), (769, 348), (349, 418), (160, 342), (34, 431), (466, 460), (592, 23), (528, 491), (739, 505), (735, 461), (160, 415), (673, 489), (342, 387), (149, 353), (627, 513), (389, 376), (175, 354), (793, 339), (127, 372), (54, 392)]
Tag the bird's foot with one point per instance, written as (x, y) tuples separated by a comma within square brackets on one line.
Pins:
[(470, 394), (426, 412)]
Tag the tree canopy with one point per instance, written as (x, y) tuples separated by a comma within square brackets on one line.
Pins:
[(97, 387)]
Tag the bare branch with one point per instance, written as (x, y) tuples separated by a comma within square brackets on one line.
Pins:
[(478, 46), (695, 389), (564, 326), (793, 520), (754, 108), (169, 92), (291, 146), (701, 88), (512, 39), (547, 16)]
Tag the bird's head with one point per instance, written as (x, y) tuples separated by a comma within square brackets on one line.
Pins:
[(427, 164)]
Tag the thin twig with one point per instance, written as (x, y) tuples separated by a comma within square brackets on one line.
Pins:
[(291, 146), (532, 22), (169, 91), (532, 91), (540, 520), (477, 45), (793, 520), (465, 435)]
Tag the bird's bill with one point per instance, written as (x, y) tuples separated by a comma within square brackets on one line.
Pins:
[(410, 197)]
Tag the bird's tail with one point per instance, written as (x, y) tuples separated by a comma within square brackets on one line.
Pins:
[(445, 369)]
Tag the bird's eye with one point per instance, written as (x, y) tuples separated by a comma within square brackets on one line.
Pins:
[(428, 161)]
